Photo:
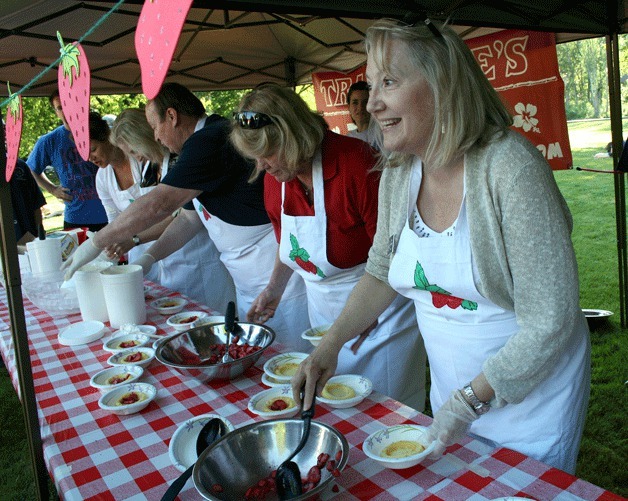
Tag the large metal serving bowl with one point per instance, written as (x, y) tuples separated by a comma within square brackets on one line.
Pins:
[(243, 457), (180, 350)]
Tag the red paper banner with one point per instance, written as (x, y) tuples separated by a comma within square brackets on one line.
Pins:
[(330, 93), (521, 65)]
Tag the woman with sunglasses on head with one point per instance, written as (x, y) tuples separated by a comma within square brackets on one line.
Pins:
[(321, 195), (195, 269), (472, 227)]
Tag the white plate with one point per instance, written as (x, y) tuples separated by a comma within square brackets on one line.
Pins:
[(271, 381), (149, 330), (211, 319), (376, 442), (99, 380), (274, 364), (182, 448), (315, 334), (108, 400), (360, 384), (596, 313), (265, 397), (175, 321), (168, 305), (82, 333), (113, 343), (117, 359)]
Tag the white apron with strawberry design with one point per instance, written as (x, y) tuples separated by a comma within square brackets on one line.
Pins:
[(198, 258), (461, 329), (392, 356), (249, 252)]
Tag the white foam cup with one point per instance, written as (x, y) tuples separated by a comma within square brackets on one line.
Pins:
[(89, 290), (44, 255), (123, 288)]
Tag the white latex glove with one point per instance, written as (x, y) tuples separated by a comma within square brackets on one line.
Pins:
[(85, 253), (451, 423), (146, 261)]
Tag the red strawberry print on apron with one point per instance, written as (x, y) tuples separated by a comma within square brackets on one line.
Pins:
[(302, 258), (440, 297)]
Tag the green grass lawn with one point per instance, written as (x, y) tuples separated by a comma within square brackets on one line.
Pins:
[(591, 198)]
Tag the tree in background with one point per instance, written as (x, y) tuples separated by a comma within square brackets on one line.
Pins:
[(583, 68)]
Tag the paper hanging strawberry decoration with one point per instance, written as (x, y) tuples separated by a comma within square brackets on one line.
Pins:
[(74, 89), (13, 131), (158, 30), (440, 297), (302, 258)]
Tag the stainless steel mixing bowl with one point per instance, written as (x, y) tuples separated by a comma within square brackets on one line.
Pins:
[(184, 351), (249, 454)]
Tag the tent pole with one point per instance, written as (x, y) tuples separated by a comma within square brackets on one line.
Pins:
[(614, 85), (18, 331)]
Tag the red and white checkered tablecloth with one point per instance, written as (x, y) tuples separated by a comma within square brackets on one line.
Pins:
[(93, 454)]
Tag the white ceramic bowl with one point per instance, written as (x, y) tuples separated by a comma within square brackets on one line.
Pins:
[(125, 358), (210, 319), (280, 366), (123, 342), (101, 379), (259, 402), (182, 448), (376, 443), (361, 386), (271, 381), (315, 334), (169, 305), (185, 320), (110, 400), (149, 330)]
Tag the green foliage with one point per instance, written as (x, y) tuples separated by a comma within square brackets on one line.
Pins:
[(583, 69)]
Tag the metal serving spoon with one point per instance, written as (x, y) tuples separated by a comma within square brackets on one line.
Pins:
[(229, 321), (210, 432), (288, 479)]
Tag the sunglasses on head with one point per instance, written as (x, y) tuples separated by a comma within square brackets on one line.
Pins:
[(418, 18), (251, 119)]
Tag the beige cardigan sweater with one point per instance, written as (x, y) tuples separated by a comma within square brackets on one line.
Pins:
[(520, 229)]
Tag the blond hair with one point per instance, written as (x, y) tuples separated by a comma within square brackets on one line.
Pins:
[(132, 128), (296, 131), (467, 110)]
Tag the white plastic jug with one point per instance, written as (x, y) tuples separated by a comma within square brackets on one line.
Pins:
[(91, 297), (123, 288)]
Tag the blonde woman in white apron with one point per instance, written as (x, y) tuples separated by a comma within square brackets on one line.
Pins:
[(474, 230), (230, 261), (334, 198), (195, 269)]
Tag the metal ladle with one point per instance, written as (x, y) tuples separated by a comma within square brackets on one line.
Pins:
[(229, 321), (288, 479), (210, 432)]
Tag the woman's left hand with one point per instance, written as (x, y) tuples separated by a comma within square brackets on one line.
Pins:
[(451, 423)]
